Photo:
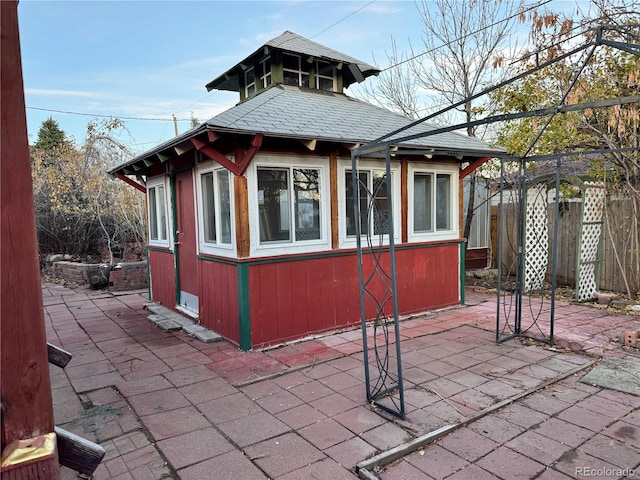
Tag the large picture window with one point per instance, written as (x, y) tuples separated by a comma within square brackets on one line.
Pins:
[(157, 199), (289, 204), (216, 207), (433, 194)]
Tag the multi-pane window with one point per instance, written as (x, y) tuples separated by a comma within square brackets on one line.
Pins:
[(264, 69), (325, 76), (294, 70), (432, 204), (157, 214), (250, 81), (216, 207), (373, 218), (258, 77), (289, 204)]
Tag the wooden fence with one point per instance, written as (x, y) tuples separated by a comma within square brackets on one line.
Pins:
[(620, 251)]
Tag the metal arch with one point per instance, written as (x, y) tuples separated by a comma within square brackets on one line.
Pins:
[(525, 301), (384, 387), (378, 293)]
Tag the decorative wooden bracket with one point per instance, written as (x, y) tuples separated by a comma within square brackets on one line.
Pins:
[(473, 166), (243, 157), (134, 184)]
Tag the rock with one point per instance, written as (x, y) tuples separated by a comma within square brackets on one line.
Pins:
[(99, 277), (55, 258)]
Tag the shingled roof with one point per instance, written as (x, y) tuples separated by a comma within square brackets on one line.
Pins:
[(298, 112), (284, 111), (294, 43)]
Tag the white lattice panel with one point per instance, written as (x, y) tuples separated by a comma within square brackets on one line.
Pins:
[(536, 256), (593, 202), (590, 242), (592, 211), (587, 285)]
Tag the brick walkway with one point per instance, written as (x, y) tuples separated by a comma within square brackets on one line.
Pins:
[(166, 406)]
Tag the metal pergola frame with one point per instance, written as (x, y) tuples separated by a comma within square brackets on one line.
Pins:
[(387, 383)]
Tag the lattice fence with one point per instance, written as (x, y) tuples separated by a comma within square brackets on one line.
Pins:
[(589, 240), (536, 238)]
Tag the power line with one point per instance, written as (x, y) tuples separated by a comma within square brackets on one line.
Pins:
[(532, 7), (108, 116), (342, 19)]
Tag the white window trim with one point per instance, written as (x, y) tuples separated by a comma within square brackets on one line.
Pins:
[(326, 77), (299, 71), (222, 249), (344, 166), (248, 85), (265, 75), (433, 169), (292, 247), (163, 182)]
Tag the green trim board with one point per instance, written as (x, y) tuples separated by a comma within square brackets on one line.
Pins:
[(244, 307), (463, 271), (174, 235), (148, 276)]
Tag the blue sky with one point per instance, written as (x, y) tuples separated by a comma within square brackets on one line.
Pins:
[(151, 59)]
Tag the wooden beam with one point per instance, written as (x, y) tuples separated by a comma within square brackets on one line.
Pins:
[(241, 200), (163, 157), (213, 136), (333, 188), (256, 143), (404, 199), (473, 166), (134, 184), (27, 409), (78, 453), (58, 356), (243, 157), (214, 155)]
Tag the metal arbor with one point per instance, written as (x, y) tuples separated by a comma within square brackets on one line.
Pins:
[(529, 223), (378, 292), (524, 277)]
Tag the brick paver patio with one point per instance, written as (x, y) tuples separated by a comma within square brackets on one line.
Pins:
[(167, 406)]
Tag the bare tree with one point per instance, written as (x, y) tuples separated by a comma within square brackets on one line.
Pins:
[(464, 47)]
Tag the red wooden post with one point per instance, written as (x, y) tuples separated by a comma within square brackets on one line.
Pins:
[(27, 410)]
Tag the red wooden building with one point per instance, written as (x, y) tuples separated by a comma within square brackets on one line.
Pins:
[(251, 224)]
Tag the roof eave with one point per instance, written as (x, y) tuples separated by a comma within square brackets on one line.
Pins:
[(160, 153)]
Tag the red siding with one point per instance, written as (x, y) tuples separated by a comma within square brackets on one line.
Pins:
[(219, 299), (163, 279), (428, 278), (292, 299)]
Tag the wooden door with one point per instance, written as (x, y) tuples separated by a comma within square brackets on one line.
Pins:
[(187, 263)]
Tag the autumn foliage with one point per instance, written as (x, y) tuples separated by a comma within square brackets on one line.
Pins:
[(80, 210)]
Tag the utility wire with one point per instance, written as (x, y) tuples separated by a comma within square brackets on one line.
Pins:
[(532, 7), (108, 116), (343, 19)]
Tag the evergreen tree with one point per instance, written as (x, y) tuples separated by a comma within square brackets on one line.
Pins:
[(50, 136)]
